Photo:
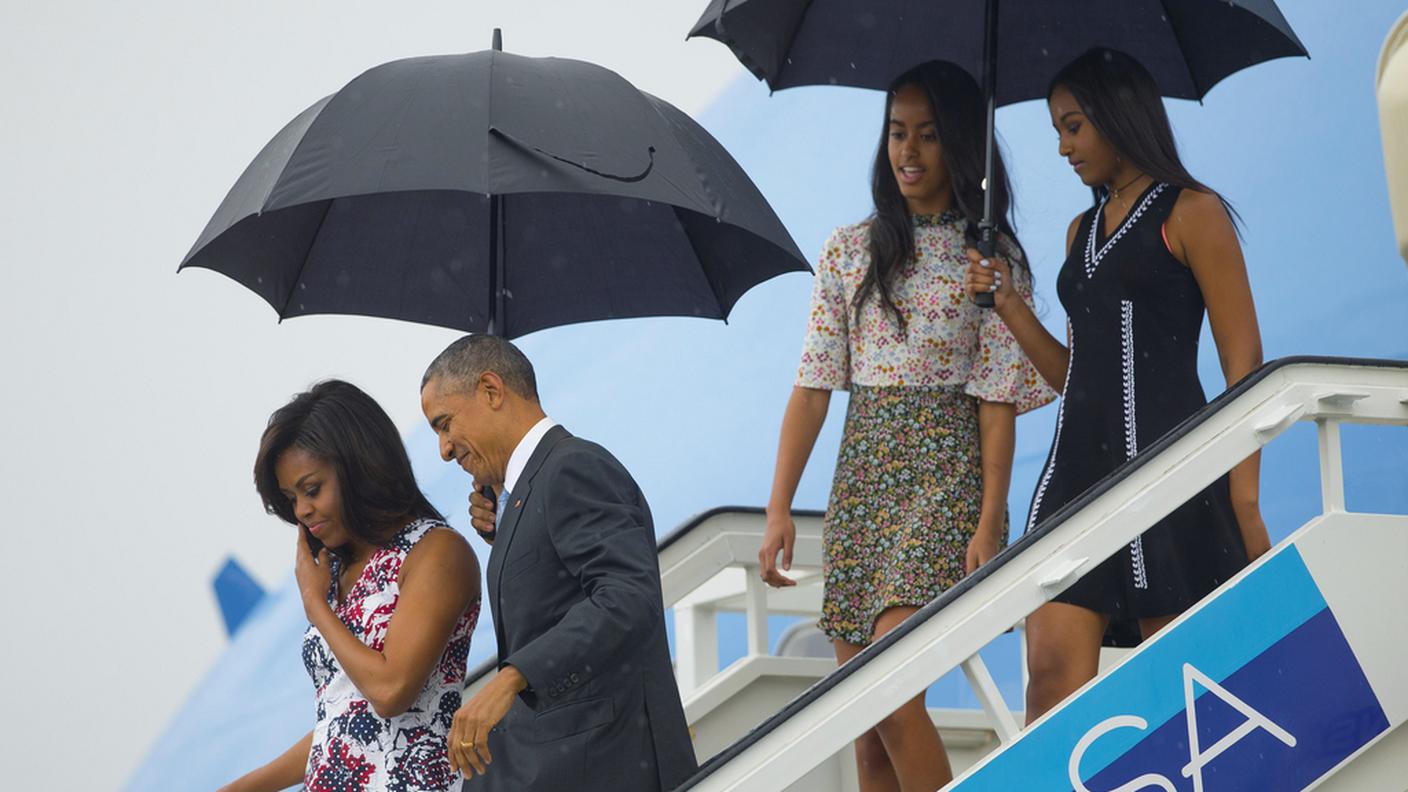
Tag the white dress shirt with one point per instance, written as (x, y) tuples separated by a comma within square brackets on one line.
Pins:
[(518, 460)]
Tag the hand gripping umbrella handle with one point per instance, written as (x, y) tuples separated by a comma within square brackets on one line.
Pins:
[(987, 246)]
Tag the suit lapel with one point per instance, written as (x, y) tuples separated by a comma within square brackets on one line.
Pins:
[(508, 525)]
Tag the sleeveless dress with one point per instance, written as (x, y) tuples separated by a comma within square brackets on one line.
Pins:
[(353, 748), (907, 491), (1135, 314)]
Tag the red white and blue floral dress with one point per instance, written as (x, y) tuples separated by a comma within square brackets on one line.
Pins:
[(354, 749)]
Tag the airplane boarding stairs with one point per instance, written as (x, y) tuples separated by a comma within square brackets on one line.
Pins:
[(1293, 675)]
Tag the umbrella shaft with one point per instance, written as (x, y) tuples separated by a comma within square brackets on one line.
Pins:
[(990, 94), (495, 324)]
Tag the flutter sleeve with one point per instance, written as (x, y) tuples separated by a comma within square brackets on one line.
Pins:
[(826, 354)]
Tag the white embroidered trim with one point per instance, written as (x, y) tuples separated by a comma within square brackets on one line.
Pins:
[(1131, 440), (1131, 434), (1056, 441), (1094, 257), (1136, 556)]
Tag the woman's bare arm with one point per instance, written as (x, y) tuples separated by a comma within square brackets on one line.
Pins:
[(1201, 235), (997, 432), (801, 423), (439, 579)]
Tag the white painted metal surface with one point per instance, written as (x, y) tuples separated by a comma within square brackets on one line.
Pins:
[(1392, 88)]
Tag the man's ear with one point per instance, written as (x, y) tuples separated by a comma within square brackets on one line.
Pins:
[(493, 386)]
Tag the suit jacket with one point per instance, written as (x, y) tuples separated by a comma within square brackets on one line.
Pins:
[(574, 583)]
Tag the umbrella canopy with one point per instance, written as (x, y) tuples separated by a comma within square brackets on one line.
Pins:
[(490, 192), (1188, 45), (1014, 47)]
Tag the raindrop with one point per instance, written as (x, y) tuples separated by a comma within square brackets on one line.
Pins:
[(853, 65), (303, 286), (831, 80), (259, 279)]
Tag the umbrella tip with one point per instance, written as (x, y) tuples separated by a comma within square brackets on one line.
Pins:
[(498, 40)]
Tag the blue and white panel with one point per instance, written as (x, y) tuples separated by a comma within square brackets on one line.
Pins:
[(1262, 687)]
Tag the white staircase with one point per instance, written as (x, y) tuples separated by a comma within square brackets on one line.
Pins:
[(1295, 668)]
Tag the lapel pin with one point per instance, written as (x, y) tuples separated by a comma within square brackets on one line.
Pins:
[(518, 503)]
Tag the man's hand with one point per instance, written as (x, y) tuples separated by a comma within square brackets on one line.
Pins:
[(468, 746), (481, 515)]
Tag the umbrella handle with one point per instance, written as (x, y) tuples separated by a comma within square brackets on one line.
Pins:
[(987, 246)]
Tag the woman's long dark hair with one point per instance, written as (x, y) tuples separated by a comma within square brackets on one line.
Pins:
[(957, 105), (341, 425), (1121, 99)]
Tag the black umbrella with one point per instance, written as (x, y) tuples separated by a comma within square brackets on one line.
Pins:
[(490, 192), (1014, 47)]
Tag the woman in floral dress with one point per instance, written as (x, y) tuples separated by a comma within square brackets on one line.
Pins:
[(920, 489), (391, 594)]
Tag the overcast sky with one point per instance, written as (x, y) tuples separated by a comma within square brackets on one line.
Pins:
[(133, 398)]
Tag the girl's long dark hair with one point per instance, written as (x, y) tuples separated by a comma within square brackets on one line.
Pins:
[(341, 425), (1121, 99), (957, 105)]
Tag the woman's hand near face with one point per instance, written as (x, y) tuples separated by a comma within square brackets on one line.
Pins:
[(314, 575), (989, 275)]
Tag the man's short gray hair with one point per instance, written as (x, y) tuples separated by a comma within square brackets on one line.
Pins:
[(462, 362)]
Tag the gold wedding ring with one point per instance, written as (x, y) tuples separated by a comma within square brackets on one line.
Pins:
[(466, 743)]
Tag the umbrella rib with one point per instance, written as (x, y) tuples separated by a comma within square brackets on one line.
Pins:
[(303, 262), (791, 38), (1182, 53), (713, 287)]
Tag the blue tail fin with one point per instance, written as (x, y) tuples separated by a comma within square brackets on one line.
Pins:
[(237, 592)]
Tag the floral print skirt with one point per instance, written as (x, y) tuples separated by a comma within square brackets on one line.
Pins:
[(904, 504)]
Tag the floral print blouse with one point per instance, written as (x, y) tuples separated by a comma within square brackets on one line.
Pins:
[(950, 340)]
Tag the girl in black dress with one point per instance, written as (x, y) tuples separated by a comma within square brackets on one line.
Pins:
[(1156, 250)]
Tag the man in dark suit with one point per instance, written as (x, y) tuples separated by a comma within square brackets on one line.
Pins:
[(584, 698)]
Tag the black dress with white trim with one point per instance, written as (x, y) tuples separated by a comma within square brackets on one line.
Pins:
[(1136, 314)]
